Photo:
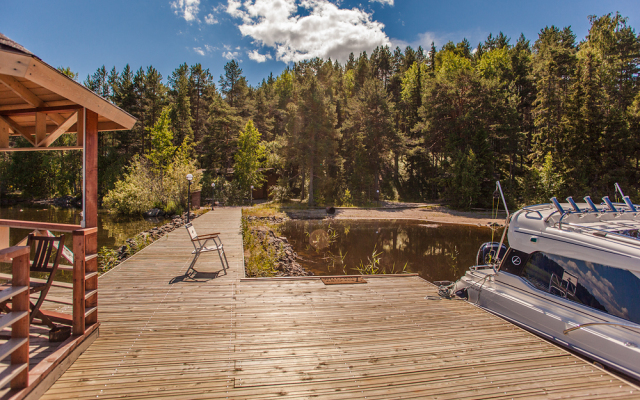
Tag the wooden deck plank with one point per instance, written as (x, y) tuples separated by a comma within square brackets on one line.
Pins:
[(224, 337)]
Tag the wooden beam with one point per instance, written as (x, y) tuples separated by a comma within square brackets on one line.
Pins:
[(56, 103), (4, 134), (58, 132), (27, 95), (18, 129), (14, 149), (13, 252), (19, 89), (46, 110), (41, 127), (14, 223), (14, 64), (102, 126), (49, 78)]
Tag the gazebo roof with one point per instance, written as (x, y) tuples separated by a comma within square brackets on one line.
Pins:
[(40, 103)]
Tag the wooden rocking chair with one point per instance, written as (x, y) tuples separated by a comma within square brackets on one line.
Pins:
[(200, 246), (44, 246)]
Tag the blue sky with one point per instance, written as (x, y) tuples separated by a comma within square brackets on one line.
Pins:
[(265, 35)]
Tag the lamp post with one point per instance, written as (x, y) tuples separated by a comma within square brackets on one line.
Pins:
[(213, 186), (189, 178), (251, 194), (378, 196)]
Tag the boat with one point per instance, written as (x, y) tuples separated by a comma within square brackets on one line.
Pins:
[(571, 274)]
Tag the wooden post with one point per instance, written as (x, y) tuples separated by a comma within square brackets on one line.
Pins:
[(20, 328), (80, 127), (78, 282), (91, 170), (91, 284), (91, 212), (41, 127), (4, 134), (5, 231)]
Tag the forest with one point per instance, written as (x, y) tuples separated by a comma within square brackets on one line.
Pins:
[(554, 116)]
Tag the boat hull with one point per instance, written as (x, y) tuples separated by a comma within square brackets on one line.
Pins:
[(549, 316)]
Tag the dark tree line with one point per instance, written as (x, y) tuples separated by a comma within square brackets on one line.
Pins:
[(553, 117)]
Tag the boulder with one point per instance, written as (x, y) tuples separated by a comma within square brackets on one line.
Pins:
[(153, 213)]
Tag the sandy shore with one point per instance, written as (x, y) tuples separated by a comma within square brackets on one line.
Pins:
[(424, 212)]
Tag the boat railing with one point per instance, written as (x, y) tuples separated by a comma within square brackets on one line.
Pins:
[(605, 233)]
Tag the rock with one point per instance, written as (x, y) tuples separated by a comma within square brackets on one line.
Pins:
[(286, 265), (154, 212), (331, 210)]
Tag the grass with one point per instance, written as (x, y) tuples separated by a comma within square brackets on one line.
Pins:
[(261, 259)]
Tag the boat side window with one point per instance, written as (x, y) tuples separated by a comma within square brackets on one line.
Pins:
[(608, 289), (514, 261)]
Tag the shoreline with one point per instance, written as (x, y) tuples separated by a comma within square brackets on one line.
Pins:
[(434, 214)]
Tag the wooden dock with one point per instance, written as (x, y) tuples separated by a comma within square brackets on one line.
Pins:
[(222, 336)]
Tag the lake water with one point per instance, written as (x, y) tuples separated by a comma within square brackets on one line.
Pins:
[(112, 230), (435, 251)]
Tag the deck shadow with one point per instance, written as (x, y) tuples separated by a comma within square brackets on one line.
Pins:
[(195, 277)]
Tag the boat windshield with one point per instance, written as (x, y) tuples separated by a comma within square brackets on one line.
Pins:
[(612, 290)]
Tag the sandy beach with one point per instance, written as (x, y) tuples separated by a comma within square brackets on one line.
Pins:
[(414, 211)]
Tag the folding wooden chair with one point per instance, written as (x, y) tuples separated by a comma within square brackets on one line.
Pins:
[(44, 246), (200, 246)]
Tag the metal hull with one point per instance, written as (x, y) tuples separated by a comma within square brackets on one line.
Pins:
[(514, 299)]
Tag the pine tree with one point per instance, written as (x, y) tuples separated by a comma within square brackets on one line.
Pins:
[(181, 104)]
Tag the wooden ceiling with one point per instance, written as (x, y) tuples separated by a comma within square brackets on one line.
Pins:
[(40, 103)]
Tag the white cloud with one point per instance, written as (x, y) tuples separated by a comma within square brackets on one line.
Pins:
[(230, 55), (210, 19), (327, 30), (383, 2), (257, 57), (210, 49), (199, 50), (187, 9)]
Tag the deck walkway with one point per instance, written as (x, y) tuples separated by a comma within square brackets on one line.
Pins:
[(225, 337)]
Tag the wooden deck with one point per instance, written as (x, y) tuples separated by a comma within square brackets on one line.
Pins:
[(162, 336)]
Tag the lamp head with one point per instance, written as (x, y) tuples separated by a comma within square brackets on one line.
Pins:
[(213, 184), (189, 177)]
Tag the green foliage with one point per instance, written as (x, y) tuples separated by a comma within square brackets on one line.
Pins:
[(145, 186), (467, 177), (280, 193), (107, 259), (162, 148), (249, 157), (262, 259), (136, 192), (230, 193), (452, 64), (436, 126), (550, 181)]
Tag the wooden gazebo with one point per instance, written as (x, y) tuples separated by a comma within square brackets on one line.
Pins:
[(40, 104)]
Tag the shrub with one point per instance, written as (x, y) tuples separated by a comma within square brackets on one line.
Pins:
[(230, 193), (262, 259)]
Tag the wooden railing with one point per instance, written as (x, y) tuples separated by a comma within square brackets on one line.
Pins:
[(84, 299), (18, 346)]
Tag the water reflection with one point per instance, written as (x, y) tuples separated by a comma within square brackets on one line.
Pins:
[(112, 230), (436, 252)]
